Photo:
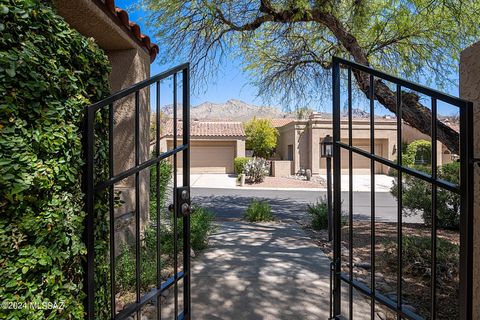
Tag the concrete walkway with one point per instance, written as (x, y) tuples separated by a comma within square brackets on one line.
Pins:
[(261, 271)]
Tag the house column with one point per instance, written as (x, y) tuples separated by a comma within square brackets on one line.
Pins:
[(470, 90)]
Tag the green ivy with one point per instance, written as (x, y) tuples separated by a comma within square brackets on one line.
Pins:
[(48, 74)]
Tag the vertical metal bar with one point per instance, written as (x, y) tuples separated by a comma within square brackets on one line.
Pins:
[(111, 210), (137, 199), (175, 185), (399, 201), (337, 195), (434, 211), (328, 162), (466, 211), (186, 182), (372, 193), (159, 202), (89, 208), (350, 193)]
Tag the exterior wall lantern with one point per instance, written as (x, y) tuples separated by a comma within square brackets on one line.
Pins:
[(326, 151), (327, 147)]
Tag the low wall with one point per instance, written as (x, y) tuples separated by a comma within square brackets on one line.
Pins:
[(281, 168)]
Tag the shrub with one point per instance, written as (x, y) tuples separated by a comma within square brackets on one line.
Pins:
[(319, 213), (258, 211), (165, 178), (256, 169), (201, 227), (417, 257), (419, 152), (49, 73), (417, 197), (239, 164), (261, 137)]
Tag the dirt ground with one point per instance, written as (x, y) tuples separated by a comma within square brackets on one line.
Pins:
[(416, 289)]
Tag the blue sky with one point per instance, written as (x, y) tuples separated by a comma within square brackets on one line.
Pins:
[(232, 82)]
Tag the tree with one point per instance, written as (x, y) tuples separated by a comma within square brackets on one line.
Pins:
[(287, 45), (261, 137), (303, 113)]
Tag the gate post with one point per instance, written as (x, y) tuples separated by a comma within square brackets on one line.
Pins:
[(470, 90), (337, 195)]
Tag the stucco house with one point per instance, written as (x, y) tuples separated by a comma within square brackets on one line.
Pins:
[(299, 142), (213, 144)]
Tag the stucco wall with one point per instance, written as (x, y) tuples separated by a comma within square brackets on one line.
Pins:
[(130, 64), (306, 136), (470, 90)]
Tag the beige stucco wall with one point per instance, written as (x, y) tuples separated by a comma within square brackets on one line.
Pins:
[(281, 168), (470, 90), (130, 64), (306, 136), (287, 137)]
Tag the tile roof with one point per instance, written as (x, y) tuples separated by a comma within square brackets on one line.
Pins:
[(277, 123), (134, 28), (208, 128)]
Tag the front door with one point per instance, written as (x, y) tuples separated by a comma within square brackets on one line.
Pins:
[(138, 211), (402, 269)]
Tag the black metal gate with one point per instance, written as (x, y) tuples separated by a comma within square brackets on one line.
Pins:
[(343, 264), (100, 179)]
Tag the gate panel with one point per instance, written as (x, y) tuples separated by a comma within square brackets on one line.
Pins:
[(395, 306), (102, 198)]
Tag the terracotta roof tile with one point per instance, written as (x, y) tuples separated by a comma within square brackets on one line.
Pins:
[(122, 16), (208, 128), (277, 123)]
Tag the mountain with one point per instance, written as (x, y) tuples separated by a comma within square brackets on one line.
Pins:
[(232, 110)]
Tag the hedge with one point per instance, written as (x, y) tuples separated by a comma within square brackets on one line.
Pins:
[(48, 74), (239, 163)]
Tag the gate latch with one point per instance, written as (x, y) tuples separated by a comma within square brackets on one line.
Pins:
[(183, 202)]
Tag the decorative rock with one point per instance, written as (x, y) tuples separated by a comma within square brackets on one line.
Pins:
[(192, 253)]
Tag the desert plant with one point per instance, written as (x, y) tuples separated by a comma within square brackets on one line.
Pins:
[(417, 197), (417, 257), (256, 170), (258, 211), (261, 137), (319, 213), (239, 164)]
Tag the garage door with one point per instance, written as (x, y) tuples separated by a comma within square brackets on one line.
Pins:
[(210, 157), (361, 165)]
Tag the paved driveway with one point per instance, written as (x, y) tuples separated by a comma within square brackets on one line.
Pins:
[(291, 205)]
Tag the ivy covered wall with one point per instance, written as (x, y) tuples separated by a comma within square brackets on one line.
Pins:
[(48, 74)]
